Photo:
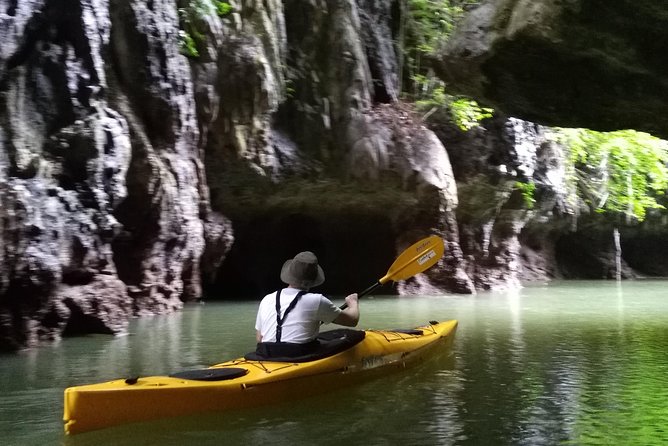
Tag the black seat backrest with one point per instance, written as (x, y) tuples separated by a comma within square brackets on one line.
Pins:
[(330, 343)]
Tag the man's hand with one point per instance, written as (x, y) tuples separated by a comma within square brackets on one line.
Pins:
[(351, 315), (352, 300)]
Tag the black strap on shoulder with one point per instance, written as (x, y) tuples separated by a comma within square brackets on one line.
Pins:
[(279, 319)]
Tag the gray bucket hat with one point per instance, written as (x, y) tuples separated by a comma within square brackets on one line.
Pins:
[(303, 271)]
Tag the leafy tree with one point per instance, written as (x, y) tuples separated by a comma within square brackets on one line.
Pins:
[(622, 172), (428, 24)]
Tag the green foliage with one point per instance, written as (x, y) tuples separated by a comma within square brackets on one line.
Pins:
[(289, 88), (464, 112), (187, 44), (223, 8), (192, 17), (622, 172), (431, 22), (528, 190), (428, 24), (467, 113)]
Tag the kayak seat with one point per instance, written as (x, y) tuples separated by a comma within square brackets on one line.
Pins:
[(329, 343), (219, 374)]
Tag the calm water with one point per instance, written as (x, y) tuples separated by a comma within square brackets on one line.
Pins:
[(577, 363)]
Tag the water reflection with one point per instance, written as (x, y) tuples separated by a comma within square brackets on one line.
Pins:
[(568, 380), (574, 363)]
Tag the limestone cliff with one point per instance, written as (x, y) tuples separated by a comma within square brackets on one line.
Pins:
[(134, 177), (128, 168), (105, 210), (310, 149)]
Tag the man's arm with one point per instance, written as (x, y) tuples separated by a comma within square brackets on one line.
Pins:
[(258, 336), (351, 315)]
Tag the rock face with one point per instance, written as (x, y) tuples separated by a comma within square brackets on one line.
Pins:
[(132, 176), (491, 163), (597, 65), (593, 64), (102, 191), (119, 157), (310, 150)]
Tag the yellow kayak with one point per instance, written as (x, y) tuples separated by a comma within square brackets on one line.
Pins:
[(348, 357)]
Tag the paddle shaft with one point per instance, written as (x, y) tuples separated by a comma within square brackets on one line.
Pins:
[(413, 260), (363, 293)]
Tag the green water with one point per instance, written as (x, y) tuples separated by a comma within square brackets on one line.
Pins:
[(576, 363)]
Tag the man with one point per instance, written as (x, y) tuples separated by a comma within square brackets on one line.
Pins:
[(289, 319)]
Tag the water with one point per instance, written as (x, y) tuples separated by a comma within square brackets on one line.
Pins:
[(575, 363)]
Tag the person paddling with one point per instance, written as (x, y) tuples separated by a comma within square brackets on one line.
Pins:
[(289, 319)]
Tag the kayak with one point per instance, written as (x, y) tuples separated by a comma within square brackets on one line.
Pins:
[(346, 357)]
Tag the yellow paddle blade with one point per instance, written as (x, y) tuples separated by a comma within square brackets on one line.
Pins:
[(415, 259)]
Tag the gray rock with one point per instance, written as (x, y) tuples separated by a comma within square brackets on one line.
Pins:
[(103, 196), (564, 63)]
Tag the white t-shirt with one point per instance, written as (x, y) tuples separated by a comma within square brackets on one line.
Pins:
[(302, 323)]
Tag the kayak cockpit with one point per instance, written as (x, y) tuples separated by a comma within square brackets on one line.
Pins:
[(211, 374), (329, 343)]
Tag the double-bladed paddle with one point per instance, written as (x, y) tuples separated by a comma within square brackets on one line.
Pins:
[(415, 259)]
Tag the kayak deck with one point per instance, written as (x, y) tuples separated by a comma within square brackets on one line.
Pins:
[(242, 383)]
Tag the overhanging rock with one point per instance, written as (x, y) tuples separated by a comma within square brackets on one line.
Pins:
[(593, 64)]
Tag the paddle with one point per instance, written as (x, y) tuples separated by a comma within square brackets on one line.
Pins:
[(415, 259)]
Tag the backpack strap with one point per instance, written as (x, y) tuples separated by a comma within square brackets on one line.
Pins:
[(279, 319)]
